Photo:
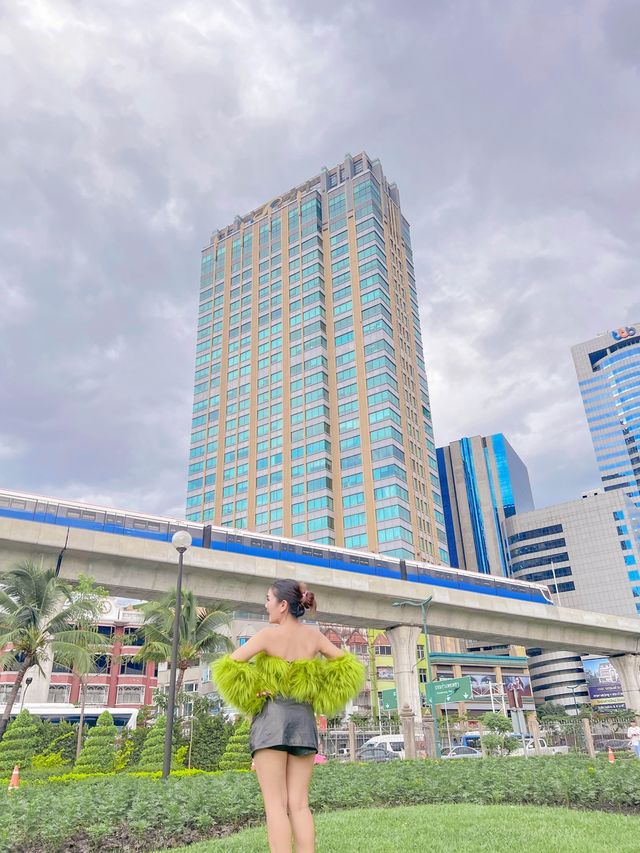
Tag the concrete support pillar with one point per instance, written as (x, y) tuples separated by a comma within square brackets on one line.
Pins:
[(588, 738), (351, 728), (404, 642), (534, 729), (429, 735), (408, 723), (628, 668)]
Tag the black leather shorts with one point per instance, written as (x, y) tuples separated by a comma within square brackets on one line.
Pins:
[(286, 725)]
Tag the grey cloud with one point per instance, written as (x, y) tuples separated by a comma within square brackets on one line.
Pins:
[(130, 131)]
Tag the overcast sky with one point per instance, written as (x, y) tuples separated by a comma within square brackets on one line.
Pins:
[(131, 130)]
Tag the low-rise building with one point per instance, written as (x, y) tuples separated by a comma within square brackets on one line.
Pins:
[(120, 684)]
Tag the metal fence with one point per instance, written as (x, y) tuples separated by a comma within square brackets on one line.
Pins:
[(387, 740)]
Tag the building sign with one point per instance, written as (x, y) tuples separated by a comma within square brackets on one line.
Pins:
[(449, 690), (384, 673), (624, 333), (517, 688), (389, 699), (605, 689)]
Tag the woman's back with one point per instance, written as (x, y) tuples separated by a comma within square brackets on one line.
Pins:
[(292, 642)]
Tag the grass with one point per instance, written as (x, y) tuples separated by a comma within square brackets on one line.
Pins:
[(454, 829), (123, 812)]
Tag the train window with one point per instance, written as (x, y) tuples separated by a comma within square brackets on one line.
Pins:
[(219, 536), (356, 559), (141, 524), (389, 567), (72, 513), (13, 503), (111, 518), (262, 543), (483, 581), (312, 552), (287, 547)]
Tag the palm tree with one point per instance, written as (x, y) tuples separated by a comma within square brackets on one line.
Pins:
[(42, 616), (199, 636)]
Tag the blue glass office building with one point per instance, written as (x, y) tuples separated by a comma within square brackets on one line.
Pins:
[(608, 369), (483, 482)]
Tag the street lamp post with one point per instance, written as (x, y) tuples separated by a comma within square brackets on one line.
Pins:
[(423, 605), (180, 541), (575, 701)]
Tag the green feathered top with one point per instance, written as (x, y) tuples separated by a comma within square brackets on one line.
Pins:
[(326, 684)]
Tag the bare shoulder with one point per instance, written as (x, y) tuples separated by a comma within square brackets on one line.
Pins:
[(325, 646)]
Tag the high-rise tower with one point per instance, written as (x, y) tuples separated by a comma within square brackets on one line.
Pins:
[(484, 482), (311, 414), (608, 369)]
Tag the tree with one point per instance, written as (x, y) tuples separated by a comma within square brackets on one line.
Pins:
[(65, 744), (40, 615), (83, 667), (551, 710), (237, 755), (21, 742), (99, 751), (210, 737), (199, 637), (498, 740), (152, 756)]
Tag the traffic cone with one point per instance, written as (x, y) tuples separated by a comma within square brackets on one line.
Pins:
[(611, 756), (14, 783)]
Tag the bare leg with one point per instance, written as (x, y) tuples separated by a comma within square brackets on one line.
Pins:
[(271, 767), (299, 770)]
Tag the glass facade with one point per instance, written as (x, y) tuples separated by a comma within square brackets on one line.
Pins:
[(484, 482), (311, 414), (608, 370)]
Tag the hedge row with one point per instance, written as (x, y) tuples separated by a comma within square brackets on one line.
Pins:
[(125, 812)]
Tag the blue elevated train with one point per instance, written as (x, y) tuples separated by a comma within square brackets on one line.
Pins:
[(107, 520)]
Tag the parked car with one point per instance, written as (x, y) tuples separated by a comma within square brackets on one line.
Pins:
[(461, 752), (375, 753), (392, 743), (617, 744), (544, 749)]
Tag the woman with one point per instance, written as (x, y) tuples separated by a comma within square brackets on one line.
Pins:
[(283, 689)]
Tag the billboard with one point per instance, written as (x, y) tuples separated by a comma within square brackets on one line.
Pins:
[(605, 690), (517, 688), (483, 683)]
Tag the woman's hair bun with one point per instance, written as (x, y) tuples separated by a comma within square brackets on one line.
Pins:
[(308, 600), (298, 597)]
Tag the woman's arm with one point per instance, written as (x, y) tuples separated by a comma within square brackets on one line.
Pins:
[(252, 647), (326, 647)]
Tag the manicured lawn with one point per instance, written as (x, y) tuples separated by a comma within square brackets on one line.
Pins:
[(454, 829)]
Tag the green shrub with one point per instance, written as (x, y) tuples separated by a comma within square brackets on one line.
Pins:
[(20, 743), (152, 756), (51, 761), (65, 744), (181, 755), (129, 747), (210, 737), (99, 751), (54, 731), (237, 755), (142, 812), (124, 754)]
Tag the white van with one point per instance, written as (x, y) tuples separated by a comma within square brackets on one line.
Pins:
[(392, 743)]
